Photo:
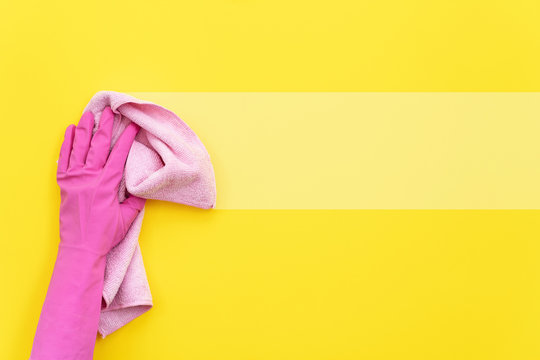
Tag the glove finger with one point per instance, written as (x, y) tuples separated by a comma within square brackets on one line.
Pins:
[(65, 150), (101, 141), (81, 143), (117, 158)]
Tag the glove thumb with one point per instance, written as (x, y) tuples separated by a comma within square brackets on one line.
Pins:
[(130, 208)]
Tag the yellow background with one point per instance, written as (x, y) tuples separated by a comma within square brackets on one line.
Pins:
[(271, 284)]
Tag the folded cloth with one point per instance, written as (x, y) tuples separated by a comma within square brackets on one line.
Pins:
[(167, 162)]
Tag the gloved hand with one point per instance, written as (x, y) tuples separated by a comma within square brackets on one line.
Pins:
[(92, 221)]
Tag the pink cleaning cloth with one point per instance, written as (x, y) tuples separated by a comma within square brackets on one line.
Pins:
[(167, 162)]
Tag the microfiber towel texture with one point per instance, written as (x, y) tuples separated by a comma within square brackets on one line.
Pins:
[(167, 161)]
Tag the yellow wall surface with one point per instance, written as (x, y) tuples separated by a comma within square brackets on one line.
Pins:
[(274, 283)]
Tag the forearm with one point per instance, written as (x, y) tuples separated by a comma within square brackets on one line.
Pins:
[(69, 319)]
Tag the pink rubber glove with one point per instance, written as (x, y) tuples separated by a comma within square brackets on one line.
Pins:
[(92, 221)]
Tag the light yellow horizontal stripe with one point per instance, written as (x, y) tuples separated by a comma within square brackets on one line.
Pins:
[(368, 150)]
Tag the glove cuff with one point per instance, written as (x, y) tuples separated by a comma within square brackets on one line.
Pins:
[(69, 319)]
